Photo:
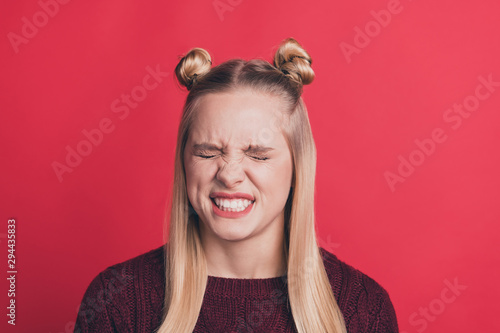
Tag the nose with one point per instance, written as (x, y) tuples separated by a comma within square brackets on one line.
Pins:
[(230, 172)]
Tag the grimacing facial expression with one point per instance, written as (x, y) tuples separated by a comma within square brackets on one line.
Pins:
[(238, 166)]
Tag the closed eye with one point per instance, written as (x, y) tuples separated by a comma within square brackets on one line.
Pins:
[(260, 158), (206, 156)]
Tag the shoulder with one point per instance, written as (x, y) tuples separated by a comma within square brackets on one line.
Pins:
[(140, 265), (112, 296), (347, 280), (365, 304), (136, 271)]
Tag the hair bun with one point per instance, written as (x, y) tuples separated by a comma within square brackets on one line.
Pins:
[(294, 61), (196, 63)]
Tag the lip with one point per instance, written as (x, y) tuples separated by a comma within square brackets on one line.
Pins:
[(237, 195)]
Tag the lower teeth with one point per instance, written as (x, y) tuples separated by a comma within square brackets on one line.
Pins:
[(232, 209)]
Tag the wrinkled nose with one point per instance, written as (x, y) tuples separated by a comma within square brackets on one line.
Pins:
[(230, 172)]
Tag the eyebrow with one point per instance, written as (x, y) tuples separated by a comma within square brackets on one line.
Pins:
[(251, 148)]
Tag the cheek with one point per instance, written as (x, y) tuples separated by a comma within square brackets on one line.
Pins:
[(273, 178), (198, 177), (285, 171)]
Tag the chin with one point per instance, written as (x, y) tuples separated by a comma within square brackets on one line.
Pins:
[(232, 234)]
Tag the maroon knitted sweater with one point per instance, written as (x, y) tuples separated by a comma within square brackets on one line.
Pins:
[(128, 297)]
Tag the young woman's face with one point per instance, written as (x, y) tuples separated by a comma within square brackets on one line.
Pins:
[(238, 167)]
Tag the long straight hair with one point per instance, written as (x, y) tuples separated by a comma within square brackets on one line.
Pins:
[(312, 302)]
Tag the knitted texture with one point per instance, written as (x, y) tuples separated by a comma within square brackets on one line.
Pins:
[(129, 297)]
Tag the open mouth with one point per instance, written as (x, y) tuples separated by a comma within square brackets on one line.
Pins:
[(232, 205)]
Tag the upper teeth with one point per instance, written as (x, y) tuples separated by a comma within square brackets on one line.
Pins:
[(238, 204)]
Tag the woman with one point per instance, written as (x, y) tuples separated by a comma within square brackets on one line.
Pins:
[(242, 254)]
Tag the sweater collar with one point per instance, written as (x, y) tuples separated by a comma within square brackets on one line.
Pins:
[(232, 287)]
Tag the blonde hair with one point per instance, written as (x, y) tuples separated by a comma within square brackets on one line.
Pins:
[(312, 302)]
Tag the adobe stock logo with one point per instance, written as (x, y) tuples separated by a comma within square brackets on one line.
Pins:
[(122, 107), (222, 6), (426, 147), (49, 9), (420, 319)]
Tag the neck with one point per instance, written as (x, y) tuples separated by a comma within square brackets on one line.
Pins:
[(254, 258)]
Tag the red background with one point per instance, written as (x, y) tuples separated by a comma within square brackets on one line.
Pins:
[(441, 223)]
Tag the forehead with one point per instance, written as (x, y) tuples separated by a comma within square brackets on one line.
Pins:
[(238, 118)]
